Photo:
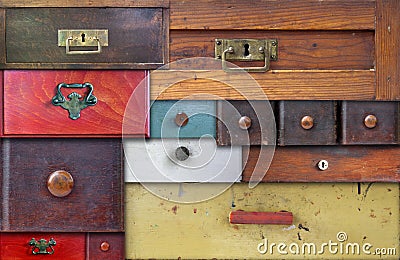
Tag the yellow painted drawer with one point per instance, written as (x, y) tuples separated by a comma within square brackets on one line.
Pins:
[(364, 217)]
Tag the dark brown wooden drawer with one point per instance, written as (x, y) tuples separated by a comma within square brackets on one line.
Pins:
[(246, 123), (307, 123), (136, 37), (35, 185), (370, 122), (68, 246)]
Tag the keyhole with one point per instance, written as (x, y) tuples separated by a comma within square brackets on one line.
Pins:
[(246, 49), (83, 37)]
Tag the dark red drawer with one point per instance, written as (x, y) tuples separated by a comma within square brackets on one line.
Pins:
[(30, 110), (68, 185), (66, 246)]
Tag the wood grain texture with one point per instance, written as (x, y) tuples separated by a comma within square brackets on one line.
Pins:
[(323, 131), (136, 37), (296, 49), (262, 130), (263, 218), (276, 84), (96, 200), (354, 130), (387, 38), (116, 243), (273, 15), (346, 164), (69, 246), (28, 110), (84, 3)]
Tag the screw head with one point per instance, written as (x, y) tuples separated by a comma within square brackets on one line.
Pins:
[(218, 42)]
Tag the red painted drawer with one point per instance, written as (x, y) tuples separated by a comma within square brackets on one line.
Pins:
[(29, 110), (68, 246)]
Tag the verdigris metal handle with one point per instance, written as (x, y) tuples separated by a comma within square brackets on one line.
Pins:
[(75, 104), (42, 246)]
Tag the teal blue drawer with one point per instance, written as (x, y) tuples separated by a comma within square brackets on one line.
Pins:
[(200, 118)]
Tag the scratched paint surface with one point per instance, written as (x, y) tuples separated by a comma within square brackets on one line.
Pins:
[(368, 214)]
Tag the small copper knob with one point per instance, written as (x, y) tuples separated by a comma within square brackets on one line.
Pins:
[(307, 122), (181, 119), (370, 121), (245, 122), (104, 246), (60, 183)]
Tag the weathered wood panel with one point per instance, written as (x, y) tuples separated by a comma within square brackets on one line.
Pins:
[(277, 85), (346, 164), (95, 202), (136, 37), (296, 49), (387, 39), (273, 15), (84, 3)]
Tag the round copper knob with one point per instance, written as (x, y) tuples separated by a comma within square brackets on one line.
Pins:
[(370, 121), (60, 183), (104, 246), (307, 122), (181, 119), (245, 122)]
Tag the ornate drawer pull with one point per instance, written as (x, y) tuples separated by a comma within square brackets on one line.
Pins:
[(41, 246), (75, 104)]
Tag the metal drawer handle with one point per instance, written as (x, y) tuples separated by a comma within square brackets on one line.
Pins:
[(246, 50), (41, 246), (75, 104), (68, 51)]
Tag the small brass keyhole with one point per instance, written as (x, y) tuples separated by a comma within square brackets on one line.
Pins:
[(246, 49), (83, 35)]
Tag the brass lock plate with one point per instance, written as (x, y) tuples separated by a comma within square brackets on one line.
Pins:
[(83, 38), (246, 49)]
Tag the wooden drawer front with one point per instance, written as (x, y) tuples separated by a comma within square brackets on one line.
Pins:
[(95, 201), (165, 161), (342, 164), (136, 37), (69, 246), (320, 211), (28, 108), (307, 123), (16, 246), (370, 122), (184, 119), (244, 123)]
